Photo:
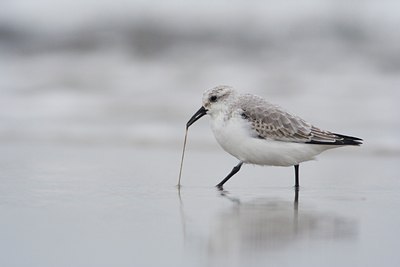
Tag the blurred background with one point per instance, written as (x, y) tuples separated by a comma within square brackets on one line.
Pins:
[(94, 98), (132, 72)]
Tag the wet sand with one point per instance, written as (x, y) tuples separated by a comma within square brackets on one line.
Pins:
[(102, 206)]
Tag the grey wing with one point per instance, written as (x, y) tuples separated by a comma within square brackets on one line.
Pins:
[(272, 122)]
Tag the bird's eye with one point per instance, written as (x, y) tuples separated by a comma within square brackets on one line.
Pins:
[(213, 98)]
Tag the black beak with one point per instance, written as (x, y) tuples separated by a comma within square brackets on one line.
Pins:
[(200, 113)]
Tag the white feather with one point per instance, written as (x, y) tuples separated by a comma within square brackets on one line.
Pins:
[(236, 137)]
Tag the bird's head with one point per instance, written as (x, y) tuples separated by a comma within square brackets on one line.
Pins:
[(215, 100)]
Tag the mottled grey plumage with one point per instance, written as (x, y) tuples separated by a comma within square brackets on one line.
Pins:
[(274, 123)]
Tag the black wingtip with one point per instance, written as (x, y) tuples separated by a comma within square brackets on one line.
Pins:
[(341, 140), (348, 140)]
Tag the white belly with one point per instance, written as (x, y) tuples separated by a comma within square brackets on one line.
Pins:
[(235, 137)]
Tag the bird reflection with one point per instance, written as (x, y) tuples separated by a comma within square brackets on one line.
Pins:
[(251, 228), (269, 224), (258, 226), (225, 194)]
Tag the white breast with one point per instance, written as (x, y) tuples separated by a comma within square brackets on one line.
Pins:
[(236, 137)]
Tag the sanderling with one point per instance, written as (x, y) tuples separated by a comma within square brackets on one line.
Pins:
[(258, 132)]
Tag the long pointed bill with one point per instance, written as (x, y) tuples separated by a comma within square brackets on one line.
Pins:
[(200, 113)]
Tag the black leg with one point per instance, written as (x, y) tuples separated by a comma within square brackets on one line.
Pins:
[(296, 173), (232, 173)]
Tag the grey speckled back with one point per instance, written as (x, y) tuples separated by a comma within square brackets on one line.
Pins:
[(273, 122)]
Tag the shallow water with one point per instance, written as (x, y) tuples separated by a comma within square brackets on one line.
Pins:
[(102, 206), (93, 107)]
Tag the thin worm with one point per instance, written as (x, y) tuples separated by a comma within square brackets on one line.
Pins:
[(183, 155)]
